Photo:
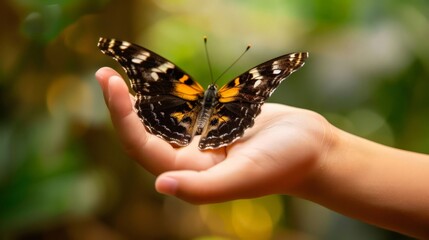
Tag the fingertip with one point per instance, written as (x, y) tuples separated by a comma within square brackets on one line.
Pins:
[(100, 73), (185, 185), (166, 185), (118, 97), (103, 73), (228, 180), (117, 89), (102, 76), (193, 187), (115, 82)]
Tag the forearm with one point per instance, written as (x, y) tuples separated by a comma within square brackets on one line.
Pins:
[(377, 184)]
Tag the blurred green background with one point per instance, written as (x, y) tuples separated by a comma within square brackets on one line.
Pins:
[(63, 173)]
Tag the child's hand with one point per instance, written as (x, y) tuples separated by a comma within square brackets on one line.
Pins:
[(276, 155)]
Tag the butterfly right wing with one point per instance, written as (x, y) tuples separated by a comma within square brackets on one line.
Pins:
[(167, 99), (241, 99)]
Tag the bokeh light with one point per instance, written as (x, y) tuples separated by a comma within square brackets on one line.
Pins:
[(63, 172)]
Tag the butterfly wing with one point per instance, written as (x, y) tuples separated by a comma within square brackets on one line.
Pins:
[(240, 100), (167, 99)]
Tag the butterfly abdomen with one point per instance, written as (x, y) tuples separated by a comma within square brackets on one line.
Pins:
[(207, 105)]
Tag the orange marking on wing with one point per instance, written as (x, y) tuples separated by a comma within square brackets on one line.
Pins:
[(178, 115), (228, 94), (224, 119), (188, 92), (184, 78), (236, 81)]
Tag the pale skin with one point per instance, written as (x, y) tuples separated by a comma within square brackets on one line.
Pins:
[(288, 151)]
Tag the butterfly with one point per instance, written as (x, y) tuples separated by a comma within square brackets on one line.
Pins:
[(176, 108)]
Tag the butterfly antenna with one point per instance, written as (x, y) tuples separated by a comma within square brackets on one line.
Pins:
[(230, 66), (208, 59)]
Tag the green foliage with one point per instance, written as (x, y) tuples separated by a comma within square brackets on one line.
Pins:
[(63, 173)]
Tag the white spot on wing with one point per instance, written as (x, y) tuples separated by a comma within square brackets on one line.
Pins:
[(255, 74), (256, 84), (137, 60), (141, 57), (154, 75), (124, 45), (275, 66), (111, 43), (163, 67), (277, 71)]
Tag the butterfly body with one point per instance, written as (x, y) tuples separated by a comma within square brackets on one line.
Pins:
[(175, 108), (208, 103)]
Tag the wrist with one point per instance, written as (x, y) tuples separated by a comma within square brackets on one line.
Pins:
[(328, 143)]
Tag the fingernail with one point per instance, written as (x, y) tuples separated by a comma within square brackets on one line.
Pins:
[(167, 185)]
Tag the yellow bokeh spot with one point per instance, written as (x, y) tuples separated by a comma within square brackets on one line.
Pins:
[(244, 219), (70, 96)]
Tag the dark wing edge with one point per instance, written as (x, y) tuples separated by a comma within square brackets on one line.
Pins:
[(144, 67), (228, 123)]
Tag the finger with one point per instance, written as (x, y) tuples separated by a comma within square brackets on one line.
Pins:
[(151, 152), (228, 180), (102, 76), (191, 158)]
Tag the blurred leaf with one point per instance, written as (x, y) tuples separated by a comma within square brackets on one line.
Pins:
[(45, 20)]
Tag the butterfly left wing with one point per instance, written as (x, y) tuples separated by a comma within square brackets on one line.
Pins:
[(240, 100), (167, 99)]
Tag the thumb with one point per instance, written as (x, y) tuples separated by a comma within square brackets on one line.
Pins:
[(226, 181)]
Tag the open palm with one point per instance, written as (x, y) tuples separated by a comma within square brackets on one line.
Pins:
[(274, 156)]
